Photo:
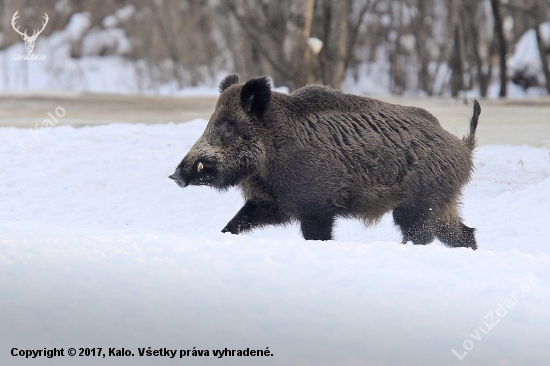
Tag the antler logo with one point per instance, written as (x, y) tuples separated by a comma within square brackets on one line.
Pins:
[(29, 41)]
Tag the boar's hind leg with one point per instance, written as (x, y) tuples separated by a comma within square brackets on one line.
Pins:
[(414, 222), (317, 228), (254, 214), (456, 234), (450, 230)]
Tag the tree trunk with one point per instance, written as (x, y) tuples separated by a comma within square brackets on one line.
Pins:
[(456, 65), (353, 29), (499, 29), (334, 52), (543, 50), (279, 33), (484, 66), (339, 66), (307, 32), (421, 34), (298, 52)]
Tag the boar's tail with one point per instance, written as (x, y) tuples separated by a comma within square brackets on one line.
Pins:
[(470, 139)]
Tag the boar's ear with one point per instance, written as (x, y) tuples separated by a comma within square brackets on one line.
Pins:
[(255, 96), (228, 81)]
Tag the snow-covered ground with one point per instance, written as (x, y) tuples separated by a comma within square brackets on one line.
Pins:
[(100, 249)]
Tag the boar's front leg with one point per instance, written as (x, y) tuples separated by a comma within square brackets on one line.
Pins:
[(254, 214), (317, 227)]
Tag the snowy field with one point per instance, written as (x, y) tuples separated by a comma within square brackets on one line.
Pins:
[(100, 249)]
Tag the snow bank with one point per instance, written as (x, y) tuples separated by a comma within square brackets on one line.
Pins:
[(526, 62), (100, 249)]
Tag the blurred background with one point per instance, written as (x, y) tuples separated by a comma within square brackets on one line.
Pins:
[(459, 48)]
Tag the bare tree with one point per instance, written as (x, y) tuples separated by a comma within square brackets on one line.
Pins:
[(457, 56), (416, 42), (332, 29), (544, 50), (502, 47), (354, 26), (278, 30)]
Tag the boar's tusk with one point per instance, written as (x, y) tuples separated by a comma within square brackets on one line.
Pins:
[(200, 166)]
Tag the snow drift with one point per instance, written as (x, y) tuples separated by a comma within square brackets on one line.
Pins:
[(100, 249)]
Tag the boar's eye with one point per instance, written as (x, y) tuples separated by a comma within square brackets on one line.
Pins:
[(228, 129)]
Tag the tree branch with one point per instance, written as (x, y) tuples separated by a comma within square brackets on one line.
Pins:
[(355, 29), (257, 35)]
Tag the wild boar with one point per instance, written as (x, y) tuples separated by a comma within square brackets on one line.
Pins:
[(318, 154)]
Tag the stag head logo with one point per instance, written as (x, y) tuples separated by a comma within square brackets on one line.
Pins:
[(29, 41)]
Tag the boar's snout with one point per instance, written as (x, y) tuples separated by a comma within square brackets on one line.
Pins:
[(195, 171), (179, 178)]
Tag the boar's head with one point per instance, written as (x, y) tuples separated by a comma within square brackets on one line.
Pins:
[(231, 148)]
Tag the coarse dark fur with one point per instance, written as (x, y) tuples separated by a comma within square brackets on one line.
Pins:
[(318, 154)]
